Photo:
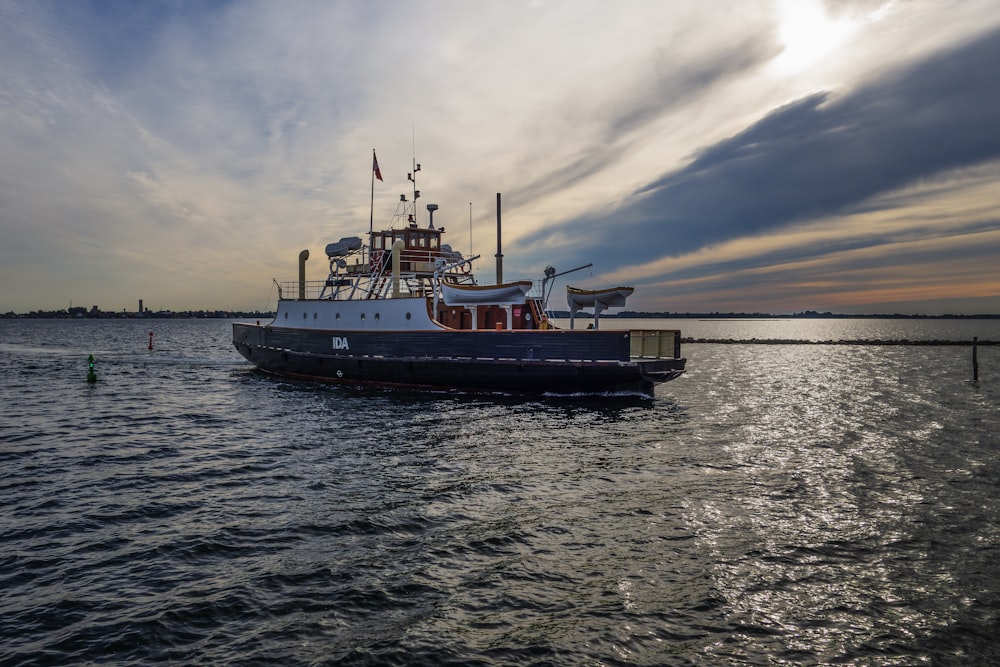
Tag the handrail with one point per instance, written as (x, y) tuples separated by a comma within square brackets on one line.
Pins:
[(655, 344)]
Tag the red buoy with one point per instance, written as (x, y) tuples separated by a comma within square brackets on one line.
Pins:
[(151, 340)]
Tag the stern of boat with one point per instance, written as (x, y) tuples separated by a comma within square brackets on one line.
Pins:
[(657, 353)]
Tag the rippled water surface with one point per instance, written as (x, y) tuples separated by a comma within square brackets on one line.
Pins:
[(777, 504), (815, 329)]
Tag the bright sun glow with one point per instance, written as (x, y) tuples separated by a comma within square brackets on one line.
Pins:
[(808, 34)]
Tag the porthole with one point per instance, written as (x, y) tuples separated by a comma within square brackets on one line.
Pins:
[(286, 314), (362, 317), (377, 317), (338, 316), (305, 316), (408, 316), (315, 316)]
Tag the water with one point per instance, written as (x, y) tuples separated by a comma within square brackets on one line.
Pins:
[(816, 330), (777, 504)]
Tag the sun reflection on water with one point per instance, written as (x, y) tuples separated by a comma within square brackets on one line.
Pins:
[(820, 545)]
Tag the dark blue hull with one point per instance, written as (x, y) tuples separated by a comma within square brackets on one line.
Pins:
[(520, 362)]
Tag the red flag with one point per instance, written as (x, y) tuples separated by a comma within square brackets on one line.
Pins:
[(378, 173)]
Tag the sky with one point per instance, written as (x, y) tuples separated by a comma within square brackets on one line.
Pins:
[(719, 156)]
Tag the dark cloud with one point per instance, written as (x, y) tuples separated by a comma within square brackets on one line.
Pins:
[(821, 155)]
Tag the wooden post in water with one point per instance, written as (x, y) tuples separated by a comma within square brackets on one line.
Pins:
[(975, 360)]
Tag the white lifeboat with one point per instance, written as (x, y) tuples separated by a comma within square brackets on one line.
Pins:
[(507, 294), (600, 300)]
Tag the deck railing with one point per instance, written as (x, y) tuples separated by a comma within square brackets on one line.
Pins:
[(655, 344), (315, 289)]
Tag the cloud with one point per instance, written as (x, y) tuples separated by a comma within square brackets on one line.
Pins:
[(821, 155), (180, 151)]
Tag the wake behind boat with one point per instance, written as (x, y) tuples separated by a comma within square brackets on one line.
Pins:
[(406, 310)]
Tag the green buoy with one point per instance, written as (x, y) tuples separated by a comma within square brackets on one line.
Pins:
[(91, 375)]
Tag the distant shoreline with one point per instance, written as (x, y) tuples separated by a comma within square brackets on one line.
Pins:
[(228, 314), (159, 315), (806, 315)]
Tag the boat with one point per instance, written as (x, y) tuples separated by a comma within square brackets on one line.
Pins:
[(600, 300), (406, 310)]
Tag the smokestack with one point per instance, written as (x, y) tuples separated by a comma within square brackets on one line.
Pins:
[(303, 256)]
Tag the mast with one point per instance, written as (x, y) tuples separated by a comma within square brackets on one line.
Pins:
[(371, 211), (499, 254), (412, 177)]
